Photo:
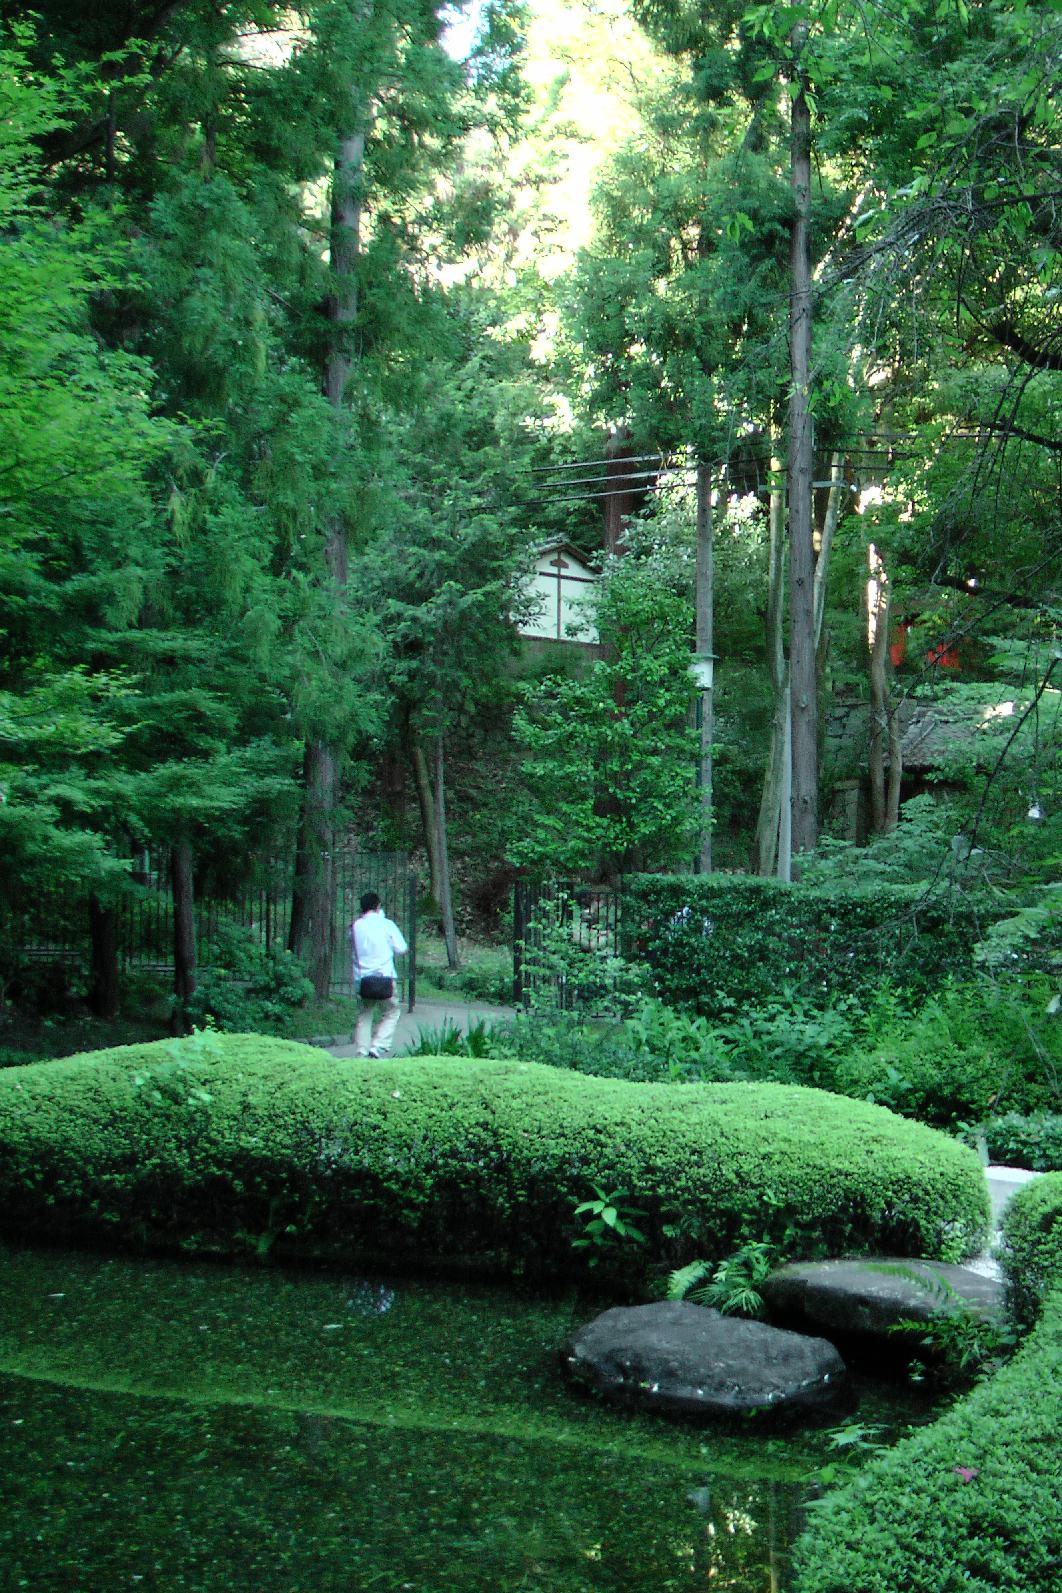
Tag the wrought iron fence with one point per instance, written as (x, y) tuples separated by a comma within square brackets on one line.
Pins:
[(390, 876), (567, 939), (54, 928)]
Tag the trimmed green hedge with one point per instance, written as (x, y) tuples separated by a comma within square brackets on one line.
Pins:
[(720, 941), (1031, 1251), (914, 1521), (237, 1141)]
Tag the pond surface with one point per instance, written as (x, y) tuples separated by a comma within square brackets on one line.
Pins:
[(178, 1425)]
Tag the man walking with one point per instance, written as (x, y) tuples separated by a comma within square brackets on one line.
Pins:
[(376, 942)]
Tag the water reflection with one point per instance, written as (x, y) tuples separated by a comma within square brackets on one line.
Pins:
[(218, 1429)]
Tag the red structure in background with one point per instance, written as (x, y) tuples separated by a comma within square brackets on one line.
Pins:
[(943, 655)]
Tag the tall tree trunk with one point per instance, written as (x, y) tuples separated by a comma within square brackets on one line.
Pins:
[(446, 901), (431, 796), (766, 852), (182, 884), (765, 846), (103, 928), (312, 934), (426, 803), (802, 650), (705, 626), (892, 790)]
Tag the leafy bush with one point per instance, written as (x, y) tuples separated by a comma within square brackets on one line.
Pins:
[(655, 1045), (717, 943), (786, 1041), (449, 1040), (230, 1142), (972, 1502), (245, 987), (1019, 1140), (15, 1057), (487, 976), (958, 1054), (1031, 1249)]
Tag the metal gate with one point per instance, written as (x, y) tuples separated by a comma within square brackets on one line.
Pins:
[(566, 937), (390, 876)]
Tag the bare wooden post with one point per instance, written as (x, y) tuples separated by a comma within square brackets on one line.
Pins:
[(183, 886), (705, 605)]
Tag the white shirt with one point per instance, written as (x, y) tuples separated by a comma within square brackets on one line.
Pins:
[(376, 940)]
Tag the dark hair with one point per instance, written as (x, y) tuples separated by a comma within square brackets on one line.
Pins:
[(370, 902)]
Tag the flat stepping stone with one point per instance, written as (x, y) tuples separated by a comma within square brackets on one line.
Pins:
[(688, 1360), (871, 1297)]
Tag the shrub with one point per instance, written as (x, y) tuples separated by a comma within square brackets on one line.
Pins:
[(957, 1054), (715, 943), (972, 1502), (229, 1142), (1019, 1140), (246, 987), (1031, 1250), (655, 1045)]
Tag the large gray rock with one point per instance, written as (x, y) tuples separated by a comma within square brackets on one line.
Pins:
[(870, 1298), (688, 1360)]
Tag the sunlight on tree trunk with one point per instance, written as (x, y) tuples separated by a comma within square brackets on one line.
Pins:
[(705, 605), (884, 723), (765, 846)]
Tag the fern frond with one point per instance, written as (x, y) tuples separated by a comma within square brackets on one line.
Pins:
[(680, 1282)]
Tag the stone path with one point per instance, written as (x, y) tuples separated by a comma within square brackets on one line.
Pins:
[(1003, 1182), (431, 1015)]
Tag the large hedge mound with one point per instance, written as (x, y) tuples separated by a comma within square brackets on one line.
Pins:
[(1032, 1245), (236, 1141), (972, 1502)]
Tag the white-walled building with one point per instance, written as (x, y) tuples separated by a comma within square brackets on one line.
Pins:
[(562, 589)]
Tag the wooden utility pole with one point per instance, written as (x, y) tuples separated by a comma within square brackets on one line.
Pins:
[(776, 793), (802, 650), (705, 665)]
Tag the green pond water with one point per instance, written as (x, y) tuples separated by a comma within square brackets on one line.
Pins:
[(177, 1425)]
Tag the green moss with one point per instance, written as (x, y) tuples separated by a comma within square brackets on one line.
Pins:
[(240, 1142)]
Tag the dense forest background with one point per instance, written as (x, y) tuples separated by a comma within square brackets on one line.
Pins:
[(319, 322)]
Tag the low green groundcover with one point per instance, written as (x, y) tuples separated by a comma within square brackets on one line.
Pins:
[(973, 1502), (231, 1142)]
